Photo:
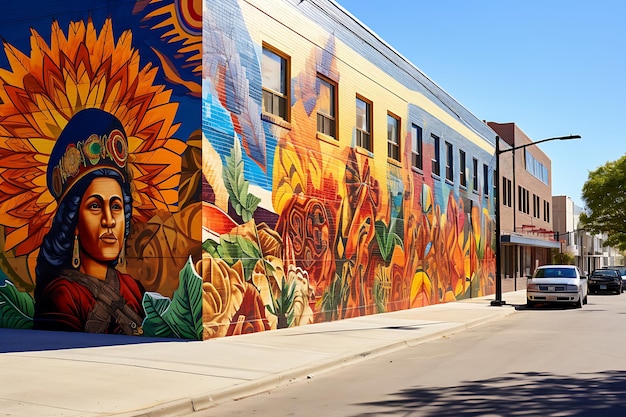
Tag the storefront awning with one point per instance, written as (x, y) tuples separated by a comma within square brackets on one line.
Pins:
[(529, 241)]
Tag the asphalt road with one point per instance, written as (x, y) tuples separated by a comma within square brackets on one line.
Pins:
[(538, 362)]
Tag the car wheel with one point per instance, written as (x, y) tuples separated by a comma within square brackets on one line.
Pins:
[(530, 303)]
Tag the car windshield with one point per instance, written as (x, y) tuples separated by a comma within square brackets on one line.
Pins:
[(620, 271), (555, 273), (605, 273)]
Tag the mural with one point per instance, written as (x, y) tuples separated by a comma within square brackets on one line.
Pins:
[(143, 190), (298, 232), (99, 170)]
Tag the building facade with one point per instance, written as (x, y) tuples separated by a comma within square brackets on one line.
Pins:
[(588, 250), (373, 186), (217, 168), (527, 235)]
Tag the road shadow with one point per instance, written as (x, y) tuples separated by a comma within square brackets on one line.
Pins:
[(12, 340), (547, 306), (516, 394)]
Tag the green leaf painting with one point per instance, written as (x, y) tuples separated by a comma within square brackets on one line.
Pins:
[(335, 298), (282, 305), (387, 240), (244, 203), (154, 325), (16, 307), (180, 317), (233, 248)]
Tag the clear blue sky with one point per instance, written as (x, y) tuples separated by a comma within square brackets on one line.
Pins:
[(554, 67)]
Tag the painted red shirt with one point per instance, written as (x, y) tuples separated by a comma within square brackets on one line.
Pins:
[(65, 305)]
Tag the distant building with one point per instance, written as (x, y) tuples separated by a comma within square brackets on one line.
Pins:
[(527, 235), (587, 249)]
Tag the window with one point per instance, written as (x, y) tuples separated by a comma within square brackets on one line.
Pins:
[(364, 124), (326, 107), (462, 168), (436, 156), (393, 137), (509, 193), (495, 187), (475, 174), (485, 179), (536, 168), (546, 211), (449, 162), (538, 207), (536, 201), (275, 69), (524, 199), (506, 192), (416, 148)]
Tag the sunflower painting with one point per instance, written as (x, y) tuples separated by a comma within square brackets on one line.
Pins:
[(90, 102)]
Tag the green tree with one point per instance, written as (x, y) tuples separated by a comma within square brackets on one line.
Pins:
[(562, 258), (604, 195)]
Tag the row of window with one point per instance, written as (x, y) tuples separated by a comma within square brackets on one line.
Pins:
[(523, 200), (275, 69), (536, 168)]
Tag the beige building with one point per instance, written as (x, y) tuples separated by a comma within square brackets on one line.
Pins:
[(526, 231), (588, 250)]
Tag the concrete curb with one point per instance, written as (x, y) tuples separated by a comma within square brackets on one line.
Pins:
[(188, 406)]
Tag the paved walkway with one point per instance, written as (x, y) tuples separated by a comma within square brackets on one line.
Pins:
[(510, 284), (75, 374)]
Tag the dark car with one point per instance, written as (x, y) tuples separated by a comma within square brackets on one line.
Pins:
[(605, 280), (622, 272)]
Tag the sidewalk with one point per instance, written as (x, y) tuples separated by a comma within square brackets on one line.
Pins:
[(63, 374)]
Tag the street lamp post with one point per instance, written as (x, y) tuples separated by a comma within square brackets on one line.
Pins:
[(498, 300)]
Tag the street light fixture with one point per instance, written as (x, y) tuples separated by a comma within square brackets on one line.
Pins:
[(498, 301)]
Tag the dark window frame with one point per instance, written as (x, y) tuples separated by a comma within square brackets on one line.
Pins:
[(546, 211), (462, 168), (486, 180), (327, 123), (416, 147), (394, 150), (436, 161), (507, 196), (277, 103), (449, 161), (475, 175), (364, 137)]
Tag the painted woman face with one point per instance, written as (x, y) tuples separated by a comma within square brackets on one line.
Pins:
[(101, 220)]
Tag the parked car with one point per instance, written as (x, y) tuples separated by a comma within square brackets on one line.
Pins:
[(605, 280), (622, 272), (557, 284)]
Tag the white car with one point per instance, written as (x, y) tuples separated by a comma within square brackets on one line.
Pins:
[(557, 284)]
